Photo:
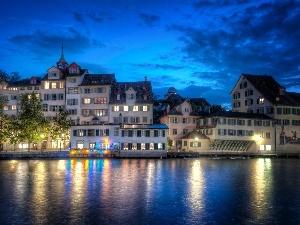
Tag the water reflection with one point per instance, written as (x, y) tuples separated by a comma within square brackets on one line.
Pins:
[(262, 184), (149, 191)]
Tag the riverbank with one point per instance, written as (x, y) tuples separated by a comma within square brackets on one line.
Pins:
[(138, 154)]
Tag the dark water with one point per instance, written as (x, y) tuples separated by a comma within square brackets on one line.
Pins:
[(150, 191)]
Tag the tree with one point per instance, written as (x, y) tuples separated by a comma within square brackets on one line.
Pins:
[(4, 122), (60, 127), (31, 125), (170, 143), (14, 76), (3, 75), (216, 109)]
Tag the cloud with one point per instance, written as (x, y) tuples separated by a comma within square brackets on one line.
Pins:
[(256, 39), (40, 42), (79, 17), (157, 66), (148, 19)]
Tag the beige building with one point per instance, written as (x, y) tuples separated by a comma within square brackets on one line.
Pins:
[(262, 94)]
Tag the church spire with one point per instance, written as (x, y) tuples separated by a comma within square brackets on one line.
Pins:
[(62, 63)]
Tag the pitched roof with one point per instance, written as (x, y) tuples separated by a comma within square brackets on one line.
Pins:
[(194, 134), (143, 90), (98, 79), (270, 89), (231, 114)]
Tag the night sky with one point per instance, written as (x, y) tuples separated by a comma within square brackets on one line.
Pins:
[(199, 47)]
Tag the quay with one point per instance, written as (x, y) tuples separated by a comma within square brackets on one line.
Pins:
[(65, 154)]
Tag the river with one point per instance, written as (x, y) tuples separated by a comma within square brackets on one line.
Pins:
[(150, 191)]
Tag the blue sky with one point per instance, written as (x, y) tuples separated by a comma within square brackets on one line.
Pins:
[(199, 47)]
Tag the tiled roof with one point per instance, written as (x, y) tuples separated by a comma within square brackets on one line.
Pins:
[(145, 126), (199, 101), (98, 79), (269, 88), (24, 82), (194, 134), (231, 114), (143, 90), (174, 112)]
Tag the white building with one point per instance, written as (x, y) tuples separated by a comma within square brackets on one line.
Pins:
[(263, 94)]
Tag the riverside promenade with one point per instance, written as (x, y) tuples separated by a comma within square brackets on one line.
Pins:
[(65, 154)]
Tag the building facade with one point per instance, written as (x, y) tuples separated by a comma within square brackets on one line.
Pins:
[(105, 114)]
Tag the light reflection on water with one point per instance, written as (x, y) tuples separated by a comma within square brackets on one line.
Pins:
[(150, 191)]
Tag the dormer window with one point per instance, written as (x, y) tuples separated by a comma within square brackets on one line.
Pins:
[(118, 97), (130, 96), (281, 91), (73, 70), (53, 74), (145, 96)]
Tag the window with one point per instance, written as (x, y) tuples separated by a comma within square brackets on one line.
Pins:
[(285, 122), (125, 107), (248, 93), (130, 96), (72, 101), (73, 90), (72, 80), (100, 101), (53, 97), (135, 108), (5, 108), (222, 132), (231, 132), (249, 132), (231, 121), (116, 131), (13, 107), (261, 101), (243, 84), (116, 108), (185, 131), (100, 90), (86, 90), (147, 133), (269, 110), (296, 122), (184, 120), (53, 85), (45, 108), (72, 111), (261, 110), (262, 134), (249, 122), (55, 108), (155, 133), (53, 74), (279, 111), (145, 108), (174, 120), (85, 112), (60, 96), (268, 147), (86, 101), (268, 135), (236, 104), (139, 133), (135, 119), (145, 119), (248, 101), (286, 111), (99, 112), (241, 122), (236, 95), (29, 88), (174, 131)]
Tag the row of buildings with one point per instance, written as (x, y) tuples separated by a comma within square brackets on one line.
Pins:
[(107, 114)]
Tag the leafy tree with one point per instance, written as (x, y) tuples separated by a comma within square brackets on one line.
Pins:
[(60, 126), (170, 143), (3, 75), (4, 121), (31, 124), (14, 76), (217, 108)]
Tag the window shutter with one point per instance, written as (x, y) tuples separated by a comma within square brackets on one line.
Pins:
[(140, 108), (225, 132), (84, 132), (107, 132), (122, 133), (74, 133), (219, 132)]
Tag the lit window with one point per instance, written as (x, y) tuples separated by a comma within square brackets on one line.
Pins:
[(145, 108), (268, 147), (135, 108), (262, 148), (46, 85), (116, 108), (261, 100), (5, 108), (86, 101), (13, 107), (125, 108), (53, 85)]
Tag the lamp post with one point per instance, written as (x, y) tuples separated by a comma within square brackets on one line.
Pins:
[(196, 139)]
